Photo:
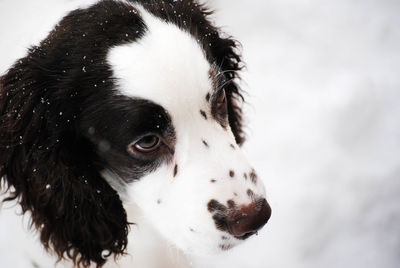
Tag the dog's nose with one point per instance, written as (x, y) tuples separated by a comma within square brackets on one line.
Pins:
[(247, 220)]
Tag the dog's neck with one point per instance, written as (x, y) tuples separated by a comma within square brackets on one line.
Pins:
[(146, 247)]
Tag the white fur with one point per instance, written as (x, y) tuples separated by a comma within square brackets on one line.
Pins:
[(168, 67)]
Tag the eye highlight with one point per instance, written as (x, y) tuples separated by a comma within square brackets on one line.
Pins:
[(147, 144)]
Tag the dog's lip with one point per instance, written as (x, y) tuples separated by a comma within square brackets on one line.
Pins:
[(246, 235)]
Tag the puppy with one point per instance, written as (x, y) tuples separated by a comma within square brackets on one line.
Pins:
[(130, 107)]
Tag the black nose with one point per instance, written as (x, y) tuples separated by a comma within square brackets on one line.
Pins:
[(247, 220)]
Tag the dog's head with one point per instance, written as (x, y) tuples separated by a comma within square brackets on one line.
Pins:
[(135, 101)]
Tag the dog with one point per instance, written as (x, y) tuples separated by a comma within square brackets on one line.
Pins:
[(125, 124)]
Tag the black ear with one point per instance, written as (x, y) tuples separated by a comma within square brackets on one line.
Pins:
[(52, 171)]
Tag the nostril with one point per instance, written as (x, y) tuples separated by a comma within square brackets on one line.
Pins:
[(248, 219)]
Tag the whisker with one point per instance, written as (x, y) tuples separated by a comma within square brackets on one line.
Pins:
[(225, 83)]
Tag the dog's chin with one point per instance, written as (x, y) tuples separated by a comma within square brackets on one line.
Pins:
[(204, 244), (218, 247)]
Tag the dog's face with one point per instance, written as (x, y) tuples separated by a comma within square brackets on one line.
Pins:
[(185, 148), (152, 112)]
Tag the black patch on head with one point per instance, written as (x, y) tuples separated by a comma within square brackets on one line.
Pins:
[(175, 170), (205, 143), (203, 114), (120, 122), (253, 176), (231, 173)]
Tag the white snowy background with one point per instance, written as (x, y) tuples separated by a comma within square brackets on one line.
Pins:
[(323, 123)]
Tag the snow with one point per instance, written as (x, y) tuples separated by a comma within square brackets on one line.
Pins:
[(323, 91)]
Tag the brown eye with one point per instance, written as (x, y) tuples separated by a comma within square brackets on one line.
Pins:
[(221, 99), (147, 144)]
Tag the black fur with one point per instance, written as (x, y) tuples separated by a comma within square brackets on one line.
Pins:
[(57, 128), (43, 98)]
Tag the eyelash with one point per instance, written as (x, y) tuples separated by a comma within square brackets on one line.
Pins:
[(138, 147)]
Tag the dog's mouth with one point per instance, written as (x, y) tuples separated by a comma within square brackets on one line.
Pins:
[(246, 235)]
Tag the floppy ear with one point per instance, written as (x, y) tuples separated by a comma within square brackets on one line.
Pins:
[(52, 170)]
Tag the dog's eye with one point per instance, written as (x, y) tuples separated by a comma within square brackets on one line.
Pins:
[(221, 98), (147, 144), (220, 103)]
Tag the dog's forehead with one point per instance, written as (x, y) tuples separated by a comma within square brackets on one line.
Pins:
[(167, 66)]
